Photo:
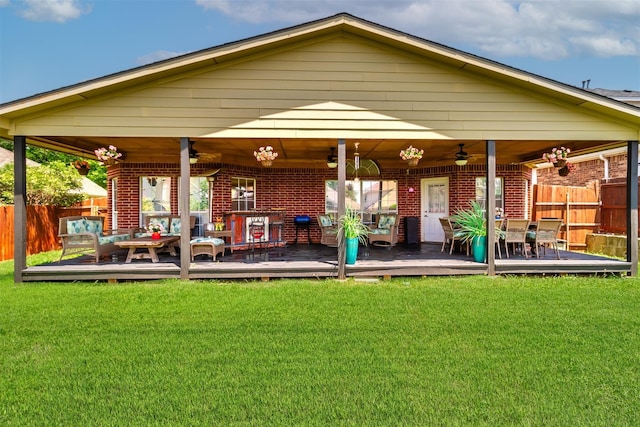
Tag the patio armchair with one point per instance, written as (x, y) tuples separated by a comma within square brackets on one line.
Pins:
[(386, 230), (450, 235), (546, 233), (516, 233), (86, 235), (328, 229)]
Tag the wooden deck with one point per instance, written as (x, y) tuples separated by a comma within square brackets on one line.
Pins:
[(318, 261)]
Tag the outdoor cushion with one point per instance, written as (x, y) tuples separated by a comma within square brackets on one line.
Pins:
[(76, 226), (325, 220), (93, 226), (386, 221), (175, 226), (113, 238), (162, 220), (379, 231), (214, 240)]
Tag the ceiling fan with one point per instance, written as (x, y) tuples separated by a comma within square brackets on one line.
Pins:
[(195, 155), (332, 159), (461, 156)]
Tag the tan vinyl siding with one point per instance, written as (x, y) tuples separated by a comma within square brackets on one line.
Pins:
[(406, 96)]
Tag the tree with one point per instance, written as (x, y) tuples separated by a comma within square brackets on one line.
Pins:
[(56, 184), (44, 156)]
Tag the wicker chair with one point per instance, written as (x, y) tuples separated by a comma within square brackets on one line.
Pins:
[(516, 233), (329, 230), (449, 235), (546, 233), (386, 230)]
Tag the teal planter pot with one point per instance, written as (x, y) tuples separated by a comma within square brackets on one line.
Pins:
[(479, 248), (351, 250)]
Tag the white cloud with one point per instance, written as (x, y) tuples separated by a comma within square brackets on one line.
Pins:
[(51, 10), (157, 56), (535, 28), (4, 3)]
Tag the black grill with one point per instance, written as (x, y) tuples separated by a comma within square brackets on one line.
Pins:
[(302, 219)]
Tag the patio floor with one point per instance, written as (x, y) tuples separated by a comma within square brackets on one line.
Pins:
[(315, 260)]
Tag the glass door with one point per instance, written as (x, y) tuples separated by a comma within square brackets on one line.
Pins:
[(435, 205)]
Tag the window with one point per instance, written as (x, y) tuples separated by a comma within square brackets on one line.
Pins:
[(481, 191), (243, 194), (199, 202), (155, 196), (367, 197)]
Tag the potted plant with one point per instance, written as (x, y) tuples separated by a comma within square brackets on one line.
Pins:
[(411, 155), (557, 156), (265, 155), (155, 228), (471, 226), (352, 230), (82, 166), (108, 156)]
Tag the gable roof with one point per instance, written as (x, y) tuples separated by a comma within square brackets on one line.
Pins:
[(344, 22), (351, 79)]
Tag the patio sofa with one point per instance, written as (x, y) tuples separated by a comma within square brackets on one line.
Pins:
[(86, 234), (171, 224)]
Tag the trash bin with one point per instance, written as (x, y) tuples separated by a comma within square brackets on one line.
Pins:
[(411, 230)]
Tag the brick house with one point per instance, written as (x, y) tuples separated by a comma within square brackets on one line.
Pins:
[(190, 125)]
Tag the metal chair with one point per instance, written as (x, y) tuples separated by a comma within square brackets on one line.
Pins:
[(277, 223), (256, 232)]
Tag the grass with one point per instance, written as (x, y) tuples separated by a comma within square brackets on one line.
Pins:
[(478, 351)]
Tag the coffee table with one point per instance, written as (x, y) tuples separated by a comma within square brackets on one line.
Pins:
[(152, 246)]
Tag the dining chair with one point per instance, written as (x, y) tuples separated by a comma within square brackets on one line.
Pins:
[(449, 235), (516, 232), (546, 233)]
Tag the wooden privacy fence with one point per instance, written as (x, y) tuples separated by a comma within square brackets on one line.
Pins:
[(42, 228), (614, 207), (578, 207)]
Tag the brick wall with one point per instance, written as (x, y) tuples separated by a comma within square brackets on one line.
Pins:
[(587, 173), (301, 191)]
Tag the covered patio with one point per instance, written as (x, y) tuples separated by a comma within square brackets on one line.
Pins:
[(338, 85), (319, 261)]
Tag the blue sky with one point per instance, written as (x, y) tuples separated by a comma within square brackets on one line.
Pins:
[(48, 44)]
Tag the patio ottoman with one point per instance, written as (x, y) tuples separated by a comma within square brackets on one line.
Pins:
[(211, 246)]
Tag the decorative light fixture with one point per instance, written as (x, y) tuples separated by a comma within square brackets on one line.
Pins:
[(461, 156), (193, 154), (332, 159)]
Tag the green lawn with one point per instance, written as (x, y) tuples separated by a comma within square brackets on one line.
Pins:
[(474, 351)]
